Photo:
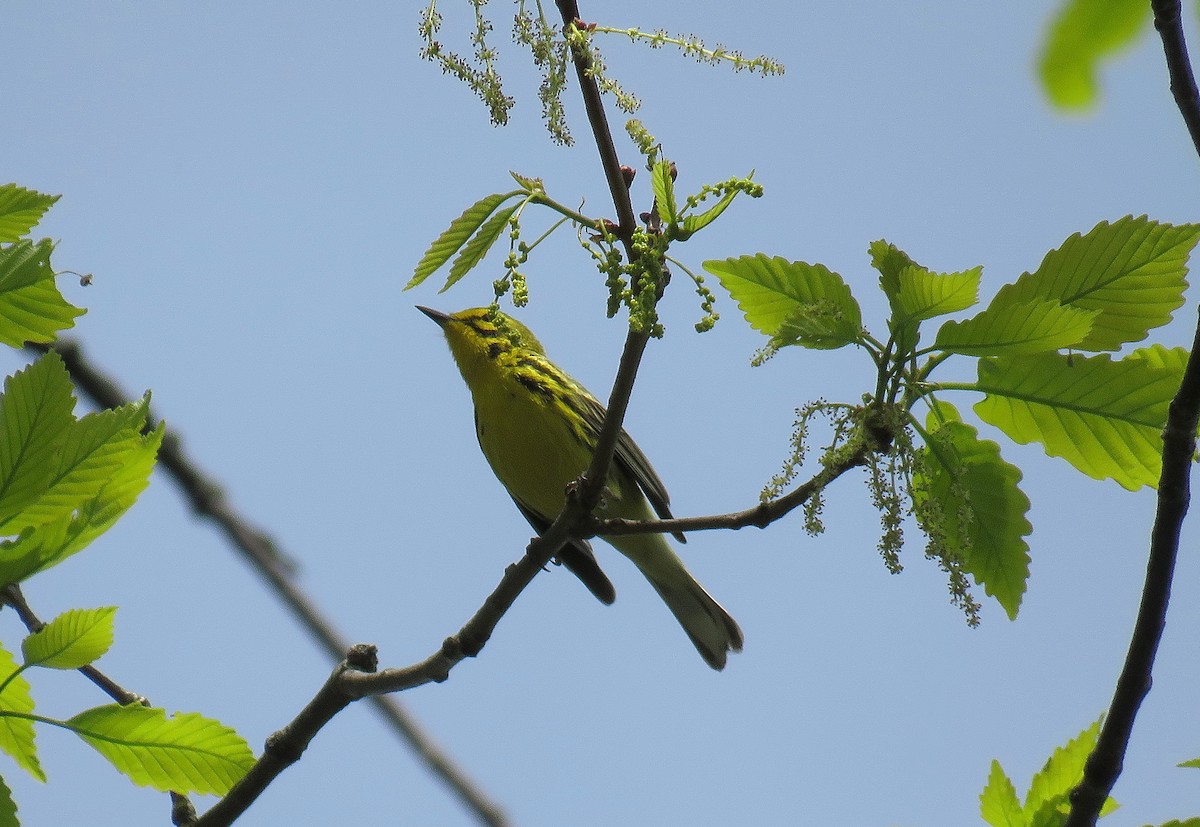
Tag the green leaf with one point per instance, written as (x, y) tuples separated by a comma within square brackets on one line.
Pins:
[(821, 325), (35, 313), (48, 545), (890, 261), (1085, 32), (770, 291), (1187, 822), (1061, 772), (478, 246), (1104, 417), (456, 235), (8, 807), (20, 210), (1017, 329), (31, 308), (92, 451), (1167, 358), (998, 803), (692, 224), (16, 734), (25, 263), (525, 182), (981, 505), (73, 639), (35, 417), (1132, 271), (923, 294), (664, 192), (186, 753)]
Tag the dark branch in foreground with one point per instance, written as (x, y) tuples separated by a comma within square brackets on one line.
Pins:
[(263, 552), (1179, 445), (182, 811)]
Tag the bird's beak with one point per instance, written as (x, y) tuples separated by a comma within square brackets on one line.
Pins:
[(437, 315)]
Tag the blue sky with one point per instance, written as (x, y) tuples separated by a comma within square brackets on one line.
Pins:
[(251, 187)]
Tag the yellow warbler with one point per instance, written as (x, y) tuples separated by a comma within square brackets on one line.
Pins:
[(538, 427)]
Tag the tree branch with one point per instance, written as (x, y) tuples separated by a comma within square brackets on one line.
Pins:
[(1105, 763), (760, 516), (284, 748)]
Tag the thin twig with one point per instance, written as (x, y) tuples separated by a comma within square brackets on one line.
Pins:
[(1179, 445), (635, 342), (209, 501), (760, 516)]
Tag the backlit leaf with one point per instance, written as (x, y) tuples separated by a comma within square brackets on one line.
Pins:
[(16, 734), (771, 290), (73, 639), (1015, 329), (1105, 417), (456, 235), (186, 753), (1081, 36), (981, 505), (1133, 271)]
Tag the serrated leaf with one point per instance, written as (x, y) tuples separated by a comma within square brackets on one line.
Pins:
[(527, 183), (186, 753), (48, 545), (923, 294), (31, 307), (1081, 36), (1062, 771), (35, 418), (1133, 271), (73, 639), (25, 263), (1173, 359), (1052, 813), (998, 803), (475, 249), (16, 734), (35, 313), (20, 210), (92, 451), (771, 290), (981, 505), (1187, 822), (1104, 417), (8, 807), (664, 192), (1017, 329), (821, 325), (456, 235), (890, 261)]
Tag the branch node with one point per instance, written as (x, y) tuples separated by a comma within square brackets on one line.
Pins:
[(457, 647), (282, 747), (183, 812), (363, 657)]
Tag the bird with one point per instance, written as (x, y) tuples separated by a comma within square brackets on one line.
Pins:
[(538, 428)]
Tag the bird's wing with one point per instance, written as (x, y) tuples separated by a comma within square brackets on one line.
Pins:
[(577, 556), (630, 459)]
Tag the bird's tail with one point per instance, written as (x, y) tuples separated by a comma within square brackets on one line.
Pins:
[(711, 629)]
